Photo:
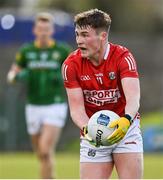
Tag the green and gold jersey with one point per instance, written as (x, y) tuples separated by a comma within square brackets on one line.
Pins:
[(43, 72)]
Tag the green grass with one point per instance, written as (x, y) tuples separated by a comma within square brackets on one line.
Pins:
[(25, 165), (151, 119)]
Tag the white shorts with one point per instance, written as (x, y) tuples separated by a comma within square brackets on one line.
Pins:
[(131, 143), (37, 115)]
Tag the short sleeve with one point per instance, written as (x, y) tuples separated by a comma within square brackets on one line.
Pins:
[(20, 59), (69, 75), (128, 66)]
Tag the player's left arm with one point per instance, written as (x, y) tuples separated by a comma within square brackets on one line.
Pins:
[(131, 88)]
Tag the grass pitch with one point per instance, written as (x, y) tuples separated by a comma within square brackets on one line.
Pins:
[(25, 166)]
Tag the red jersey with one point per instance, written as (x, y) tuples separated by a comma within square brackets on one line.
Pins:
[(101, 85)]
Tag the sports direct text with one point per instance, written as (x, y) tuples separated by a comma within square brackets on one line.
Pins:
[(102, 97)]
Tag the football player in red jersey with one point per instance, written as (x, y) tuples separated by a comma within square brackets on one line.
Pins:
[(100, 75)]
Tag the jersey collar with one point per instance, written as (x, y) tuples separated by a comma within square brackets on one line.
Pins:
[(50, 44), (107, 51)]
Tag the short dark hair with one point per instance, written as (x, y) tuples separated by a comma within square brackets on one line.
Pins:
[(94, 18)]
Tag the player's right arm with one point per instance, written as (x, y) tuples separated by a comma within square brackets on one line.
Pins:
[(70, 72), (77, 111), (74, 92), (77, 108), (16, 67), (75, 97), (14, 70)]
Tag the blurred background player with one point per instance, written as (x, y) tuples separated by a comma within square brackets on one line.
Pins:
[(38, 64), (103, 76)]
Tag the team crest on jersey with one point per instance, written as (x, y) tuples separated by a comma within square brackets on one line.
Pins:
[(56, 55), (112, 75)]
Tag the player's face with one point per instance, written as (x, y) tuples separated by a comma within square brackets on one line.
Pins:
[(43, 30), (88, 41)]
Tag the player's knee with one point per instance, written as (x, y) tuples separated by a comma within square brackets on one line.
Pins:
[(44, 156)]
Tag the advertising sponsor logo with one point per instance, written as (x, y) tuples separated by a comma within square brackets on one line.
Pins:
[(103, 119), (102, 97), (43, 65), (98, 136)]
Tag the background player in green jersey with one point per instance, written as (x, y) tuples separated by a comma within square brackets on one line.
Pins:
[(38, 63)]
